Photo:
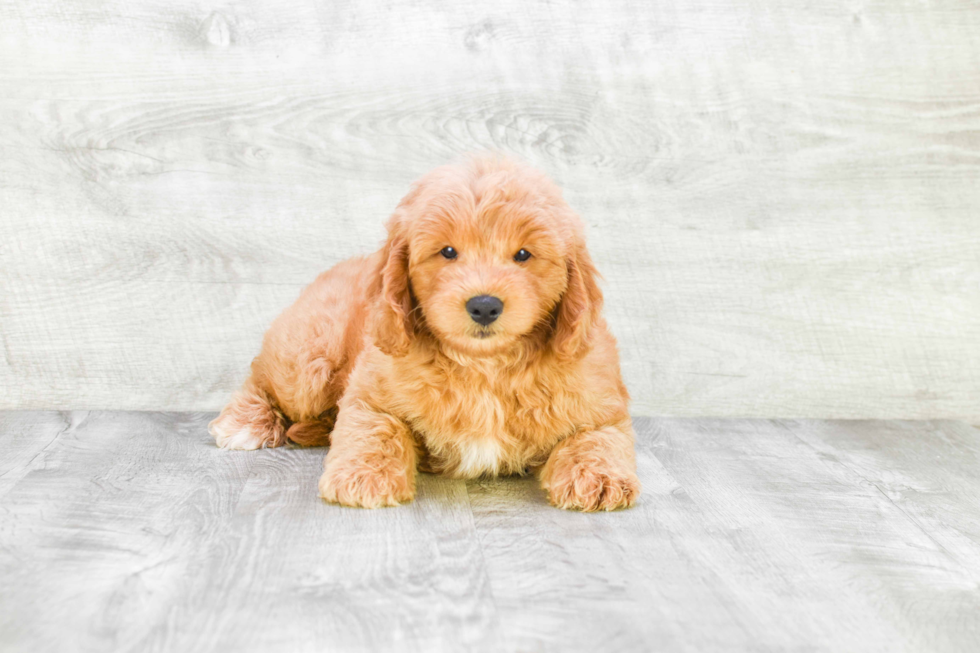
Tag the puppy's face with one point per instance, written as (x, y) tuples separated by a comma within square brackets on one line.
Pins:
[(485, 273), (489, 253)]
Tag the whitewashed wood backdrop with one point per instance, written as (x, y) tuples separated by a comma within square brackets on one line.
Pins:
[(783, 196)]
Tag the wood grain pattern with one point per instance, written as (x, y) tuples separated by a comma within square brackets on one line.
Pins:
[(132, 532), (782, 198)]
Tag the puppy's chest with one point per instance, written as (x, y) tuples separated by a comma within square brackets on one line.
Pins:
[(472, 426)]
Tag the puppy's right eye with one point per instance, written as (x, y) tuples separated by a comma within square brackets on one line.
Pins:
[(449, 252)]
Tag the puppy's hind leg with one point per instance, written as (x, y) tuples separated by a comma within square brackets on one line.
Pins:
[(314, 433), (249, 421)]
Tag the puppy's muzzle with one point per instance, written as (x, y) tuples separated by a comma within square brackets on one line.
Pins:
[(484, 309)]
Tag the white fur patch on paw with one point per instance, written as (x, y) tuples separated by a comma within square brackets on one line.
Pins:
[(243, 438)]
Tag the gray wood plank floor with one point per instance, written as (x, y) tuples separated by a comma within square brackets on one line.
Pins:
[(130, 531)]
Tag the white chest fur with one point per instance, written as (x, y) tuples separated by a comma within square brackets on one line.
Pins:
[(475, 422), (478, 457)]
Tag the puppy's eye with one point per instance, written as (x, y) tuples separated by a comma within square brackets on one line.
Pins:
[(449, 252), (522, 255)]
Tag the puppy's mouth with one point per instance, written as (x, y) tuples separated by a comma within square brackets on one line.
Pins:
[(482, 334)]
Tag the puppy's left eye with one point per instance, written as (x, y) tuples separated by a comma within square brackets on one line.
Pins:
[(522, 255), (449, 252)]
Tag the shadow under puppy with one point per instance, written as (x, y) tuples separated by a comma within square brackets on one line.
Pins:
[(472, 344)]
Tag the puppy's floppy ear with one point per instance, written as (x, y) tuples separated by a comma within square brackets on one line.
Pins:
[(580, 307), (393, 321)]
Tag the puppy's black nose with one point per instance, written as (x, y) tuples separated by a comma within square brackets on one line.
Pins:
[(484, 309)]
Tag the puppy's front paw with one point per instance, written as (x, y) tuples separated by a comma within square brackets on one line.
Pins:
[(590, 488), (367, 483)]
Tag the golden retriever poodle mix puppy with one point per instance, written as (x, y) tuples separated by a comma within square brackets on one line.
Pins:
[(471, 344)]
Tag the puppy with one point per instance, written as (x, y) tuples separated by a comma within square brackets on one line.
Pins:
[(471, 344)]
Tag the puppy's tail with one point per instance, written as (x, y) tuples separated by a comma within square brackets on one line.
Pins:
[(311, 434)]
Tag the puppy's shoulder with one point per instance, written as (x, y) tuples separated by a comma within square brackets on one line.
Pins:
[(600, 372)]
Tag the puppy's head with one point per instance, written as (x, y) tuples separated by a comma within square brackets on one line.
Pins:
[(482, 256)]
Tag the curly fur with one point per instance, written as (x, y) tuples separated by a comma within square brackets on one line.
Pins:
[(379, 358)]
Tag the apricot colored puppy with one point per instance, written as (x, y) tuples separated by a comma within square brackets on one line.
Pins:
[(471, 344)]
